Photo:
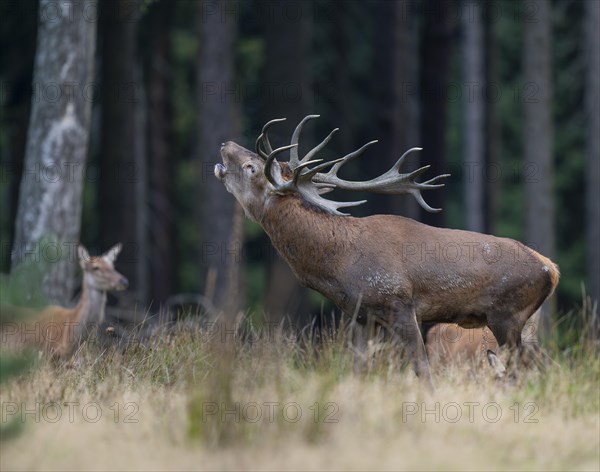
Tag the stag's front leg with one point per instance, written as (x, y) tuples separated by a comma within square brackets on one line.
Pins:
[(365, 341), (359, 338), (406, 327)]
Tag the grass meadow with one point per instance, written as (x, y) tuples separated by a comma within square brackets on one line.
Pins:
[(204, 398)]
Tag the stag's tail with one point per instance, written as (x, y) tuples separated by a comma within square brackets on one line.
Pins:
[(552, 270)]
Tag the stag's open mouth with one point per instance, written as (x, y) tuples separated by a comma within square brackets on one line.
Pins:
[(220, 171)]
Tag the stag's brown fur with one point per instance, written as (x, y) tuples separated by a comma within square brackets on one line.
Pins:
[(343, 257), (397, 270)]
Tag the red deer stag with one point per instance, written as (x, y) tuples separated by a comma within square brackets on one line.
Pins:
[(393, 270)]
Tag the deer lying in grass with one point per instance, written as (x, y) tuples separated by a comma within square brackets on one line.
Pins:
[(447, 343), (57, 330), (391, 269)]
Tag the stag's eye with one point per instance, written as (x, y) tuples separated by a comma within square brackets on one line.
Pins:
[(250, 168), (95, 268)]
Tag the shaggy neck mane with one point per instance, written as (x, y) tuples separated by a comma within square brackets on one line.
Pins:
[(304, 234), (287, 209)]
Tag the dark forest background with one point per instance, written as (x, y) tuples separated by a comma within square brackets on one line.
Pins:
[(501, 94)]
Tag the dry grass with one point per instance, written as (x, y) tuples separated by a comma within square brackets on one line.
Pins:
[(186, 401)]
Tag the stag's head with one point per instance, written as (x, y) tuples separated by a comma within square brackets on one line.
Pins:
[(99, 272), (242, 173), (254, 177)]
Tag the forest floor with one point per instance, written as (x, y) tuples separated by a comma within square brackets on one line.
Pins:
[(185, 401)]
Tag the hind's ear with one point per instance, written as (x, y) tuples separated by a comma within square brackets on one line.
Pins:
[(496, 364), (112, 253), (83, 255)]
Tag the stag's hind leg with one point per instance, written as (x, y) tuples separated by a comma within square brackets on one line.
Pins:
[(507, 331)]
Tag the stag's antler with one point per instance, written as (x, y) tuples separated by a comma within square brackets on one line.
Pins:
[(312, 183)]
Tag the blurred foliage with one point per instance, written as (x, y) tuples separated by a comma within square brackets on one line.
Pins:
[(12, 365), (16, 303), (23, 287)]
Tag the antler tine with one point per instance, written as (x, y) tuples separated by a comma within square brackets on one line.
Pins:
[(417, 172), (336, 163), (430, 183), (423, 203), (269, 164), (335, 206), (348, 157), (424, 185), (298, 170), (268, 124), (391, 182), (312, 183), (320, 167), (294, 160), (265, 136), (259, 150), (400, 161), (319, 146)]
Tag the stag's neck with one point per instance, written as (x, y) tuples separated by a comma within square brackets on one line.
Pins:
[(90, 308), (306, 236)]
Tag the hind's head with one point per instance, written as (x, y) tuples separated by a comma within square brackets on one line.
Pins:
[(99, 272)]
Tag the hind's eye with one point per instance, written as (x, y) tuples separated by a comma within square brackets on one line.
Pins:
[(95, 268)]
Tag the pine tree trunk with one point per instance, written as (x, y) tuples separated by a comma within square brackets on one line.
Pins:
[(436, 55), (20, 30), (396, 111), (50, 197), (493, 131), (288, 48), (140, 189), (407, 117), (592, 102), (162, 271), (218, 121), (119, 179), (474, 134), (536, 95)]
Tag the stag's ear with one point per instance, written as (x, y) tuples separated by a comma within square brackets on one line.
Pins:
[(112, 253), (83, 255)]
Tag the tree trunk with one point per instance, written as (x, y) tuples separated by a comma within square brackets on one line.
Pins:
[(474, 137), (118, 184), (436, 55), (162, 271), (219, 121), (288, 47), (140, 189), (592, 101), (493, 131), (50, 196), (538, 141), (19, 29), (396, 114)]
